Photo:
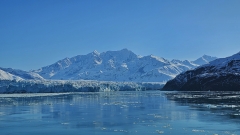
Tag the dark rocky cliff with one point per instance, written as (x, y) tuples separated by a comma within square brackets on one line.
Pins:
[(220, 75)]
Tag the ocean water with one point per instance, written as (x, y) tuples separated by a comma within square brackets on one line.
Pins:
[(118, 113)]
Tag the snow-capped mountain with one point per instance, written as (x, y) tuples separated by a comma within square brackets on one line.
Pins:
[(205, 59), (7, 76), (121, 65), (220, 74), (16, 74), (187, 63)]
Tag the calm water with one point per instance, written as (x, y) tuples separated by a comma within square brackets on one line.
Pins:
[(119, 113)]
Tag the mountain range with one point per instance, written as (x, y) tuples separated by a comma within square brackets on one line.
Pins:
[(219, 75), (123, 65)]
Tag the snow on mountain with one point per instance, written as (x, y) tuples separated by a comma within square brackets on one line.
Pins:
[(16, 74), (220, 74), (188, 64), (121, 65), (96, 72), (229, 64), (205, 59), (7, 76)]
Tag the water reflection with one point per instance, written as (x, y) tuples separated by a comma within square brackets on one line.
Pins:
[(219, 103), (105, 113)]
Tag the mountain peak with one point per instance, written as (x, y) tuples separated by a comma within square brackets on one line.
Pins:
[(126, 51), (208, 57), (123, 54), (95, 52), (205, 59)]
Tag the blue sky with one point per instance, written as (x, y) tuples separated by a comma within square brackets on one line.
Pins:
[(36, 33)]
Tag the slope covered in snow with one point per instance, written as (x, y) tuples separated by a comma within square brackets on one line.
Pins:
[(16, 74), (205, 59), (220, 74), (121, 65), (7, 76)]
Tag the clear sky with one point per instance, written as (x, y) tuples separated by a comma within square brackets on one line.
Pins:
[(36, 33)]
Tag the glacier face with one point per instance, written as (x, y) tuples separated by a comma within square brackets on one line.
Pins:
[(53, 86), (123, 65)]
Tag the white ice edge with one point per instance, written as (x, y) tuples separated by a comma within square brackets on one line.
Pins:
[(32, 94)]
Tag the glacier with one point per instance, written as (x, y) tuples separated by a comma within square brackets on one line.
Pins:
[(59, 86)]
